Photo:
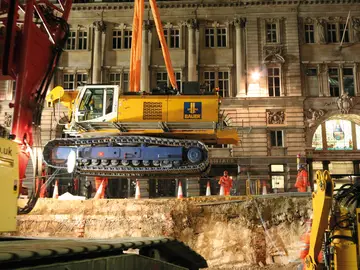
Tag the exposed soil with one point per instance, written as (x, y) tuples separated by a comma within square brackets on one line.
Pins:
[(250, 234)]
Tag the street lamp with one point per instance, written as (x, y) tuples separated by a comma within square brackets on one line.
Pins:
[(255, 76)]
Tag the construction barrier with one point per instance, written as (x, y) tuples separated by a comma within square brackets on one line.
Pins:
[(99, 192), (208, 190), (56, 190), (180, 192), (137, 190)]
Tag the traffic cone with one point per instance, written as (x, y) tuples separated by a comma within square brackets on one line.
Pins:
[(99, 191), (222, 191), (137, 190), (56, 190), (180, 192), (264, 189), (208, 191)]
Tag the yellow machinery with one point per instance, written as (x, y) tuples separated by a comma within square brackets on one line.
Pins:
[(136, 134), (335, 226), (9, 159)]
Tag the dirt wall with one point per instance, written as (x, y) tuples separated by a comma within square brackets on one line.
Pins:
[(228, 236)]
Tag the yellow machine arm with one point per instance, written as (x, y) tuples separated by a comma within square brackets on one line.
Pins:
[(135, 59), (322, 200), (335, 227)]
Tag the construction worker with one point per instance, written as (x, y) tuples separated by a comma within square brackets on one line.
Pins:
[(226, 182), (98, 181), (302, 179)]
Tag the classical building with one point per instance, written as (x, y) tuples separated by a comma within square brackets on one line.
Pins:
[(288, 72)]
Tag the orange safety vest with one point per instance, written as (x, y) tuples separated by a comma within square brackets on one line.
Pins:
[(226, 182), (302, 181)]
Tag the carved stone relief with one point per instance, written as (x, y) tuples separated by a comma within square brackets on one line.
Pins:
[(239, 22), (320, 24), (273, 54), (345, 103), (100, 26), (275, 117), (356, 27), (312, 116)]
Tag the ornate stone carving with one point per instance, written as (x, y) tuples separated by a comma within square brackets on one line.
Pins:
[(121, 26), (320, 24), (356, 27), (275, 118), (273, 54), (313, 115), (239, 22), (168, 25), (100, 26), (192, 23), (7, 119), (345, 103), (215, 24)]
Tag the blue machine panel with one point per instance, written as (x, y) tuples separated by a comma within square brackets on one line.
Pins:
[(192, 110)]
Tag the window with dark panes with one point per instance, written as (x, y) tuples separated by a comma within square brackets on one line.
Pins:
[(13, 89), (81, 79), (161, 78), (69, 81), (116, 39), (209, 79), (309, 33), (334, 82), (127, 39), (271, 33), (70, 42), (344, 33), (209, 37), (221, 37), (274, 81), (166, 32), (125, 82), (312, 82), (174, 38), (178, 80), (348, 81), (115, 78), (223, 82), (276, 137), (82, 40), (331, 33)]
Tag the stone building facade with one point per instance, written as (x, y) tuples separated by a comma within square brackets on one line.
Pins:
[(288, 72)]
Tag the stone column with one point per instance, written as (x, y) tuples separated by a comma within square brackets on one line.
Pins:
[(97, 51), (240, 57), (144, 79), (192, 58)]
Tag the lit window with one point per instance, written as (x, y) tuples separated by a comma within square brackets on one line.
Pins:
[(274, 81)]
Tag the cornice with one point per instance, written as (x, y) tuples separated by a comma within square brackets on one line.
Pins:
[(215, 4)]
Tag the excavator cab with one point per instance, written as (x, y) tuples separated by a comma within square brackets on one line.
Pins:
[(97, 103)]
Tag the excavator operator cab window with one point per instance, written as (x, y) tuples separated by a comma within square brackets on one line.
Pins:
[(96, 103)]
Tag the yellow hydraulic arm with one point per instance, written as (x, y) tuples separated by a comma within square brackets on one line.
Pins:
[(135, 58), (322, 201)]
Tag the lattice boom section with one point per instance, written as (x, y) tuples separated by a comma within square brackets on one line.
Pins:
[(152, 111)]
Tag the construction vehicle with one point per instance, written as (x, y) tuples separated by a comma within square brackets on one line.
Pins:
[(161, 133), (335, 227), (34, 35)]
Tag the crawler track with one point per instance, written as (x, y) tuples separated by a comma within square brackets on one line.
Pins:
[(185, 169)]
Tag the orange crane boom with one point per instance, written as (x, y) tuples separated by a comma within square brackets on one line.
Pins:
[(136, 48)]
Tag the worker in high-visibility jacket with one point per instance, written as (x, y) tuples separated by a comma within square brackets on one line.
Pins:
[(302, 179), (226, 182)]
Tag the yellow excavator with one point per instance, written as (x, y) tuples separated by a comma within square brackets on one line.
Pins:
[(160, 133), (335, 227)]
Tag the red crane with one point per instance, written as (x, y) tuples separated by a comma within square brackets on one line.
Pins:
[(30, 47)]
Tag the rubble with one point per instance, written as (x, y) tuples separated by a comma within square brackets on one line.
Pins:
[(257, 233)]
